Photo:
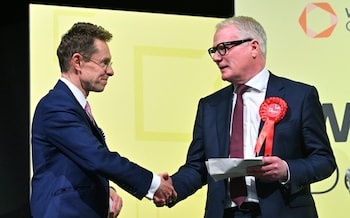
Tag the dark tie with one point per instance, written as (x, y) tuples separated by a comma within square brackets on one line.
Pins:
[(88, 112), (238, 189)]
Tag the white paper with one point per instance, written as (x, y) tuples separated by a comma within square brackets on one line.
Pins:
[(222, 168)]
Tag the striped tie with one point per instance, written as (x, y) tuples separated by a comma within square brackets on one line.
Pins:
[(88, 112)]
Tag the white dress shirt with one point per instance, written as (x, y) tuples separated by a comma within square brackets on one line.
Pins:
[(252, 99)]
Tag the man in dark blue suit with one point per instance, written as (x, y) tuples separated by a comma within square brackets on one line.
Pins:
[(297, 154), (71, 162)]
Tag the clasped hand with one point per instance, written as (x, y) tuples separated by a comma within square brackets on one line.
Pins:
[(166, 193)]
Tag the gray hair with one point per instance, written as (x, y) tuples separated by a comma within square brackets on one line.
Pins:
[(247, 27)]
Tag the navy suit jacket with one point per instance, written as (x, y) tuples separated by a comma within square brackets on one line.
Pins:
[(72, 164), (300, 139)]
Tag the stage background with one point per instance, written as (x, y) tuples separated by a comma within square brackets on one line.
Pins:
[(162, 69)]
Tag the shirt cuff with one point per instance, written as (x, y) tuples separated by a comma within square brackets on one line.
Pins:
[(284, 182), (154, 187)]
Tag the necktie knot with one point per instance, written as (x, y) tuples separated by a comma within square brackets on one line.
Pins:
[(241, 89)]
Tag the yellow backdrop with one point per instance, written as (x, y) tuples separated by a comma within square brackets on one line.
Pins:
[(162, 69)]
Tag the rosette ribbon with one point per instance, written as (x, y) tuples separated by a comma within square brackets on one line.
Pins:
[(271, 111)]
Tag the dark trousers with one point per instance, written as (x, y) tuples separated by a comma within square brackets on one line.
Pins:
[(247, 210)]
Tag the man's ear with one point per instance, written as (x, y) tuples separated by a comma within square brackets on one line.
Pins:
[(254, 48), (76, 61)]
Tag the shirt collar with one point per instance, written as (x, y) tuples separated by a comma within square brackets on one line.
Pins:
[(259, 81), (76, 92)]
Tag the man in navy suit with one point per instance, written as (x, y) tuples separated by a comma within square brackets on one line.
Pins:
[(71, 162), (298, 153)]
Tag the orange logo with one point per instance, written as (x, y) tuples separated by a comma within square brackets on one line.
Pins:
[(309, 27)]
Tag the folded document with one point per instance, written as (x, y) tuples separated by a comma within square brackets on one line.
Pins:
[(222, 168)]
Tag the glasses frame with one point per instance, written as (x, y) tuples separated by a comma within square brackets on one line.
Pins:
[(222, 47), (105, 68)]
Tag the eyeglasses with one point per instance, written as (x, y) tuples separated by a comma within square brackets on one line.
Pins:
[(106, 65), (222, 48)]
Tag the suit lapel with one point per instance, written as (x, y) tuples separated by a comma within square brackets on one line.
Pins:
[(96, 130), (223, 120), (275, 88)]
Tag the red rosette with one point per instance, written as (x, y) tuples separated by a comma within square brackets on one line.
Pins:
[(273, 109)]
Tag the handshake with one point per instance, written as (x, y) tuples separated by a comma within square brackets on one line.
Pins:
[(166, 193)]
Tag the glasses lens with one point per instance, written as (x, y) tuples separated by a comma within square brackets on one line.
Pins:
[(221, 48), (108, 66)]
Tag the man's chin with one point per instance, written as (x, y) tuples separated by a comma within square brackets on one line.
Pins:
[(99, 89), (225, 77)]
